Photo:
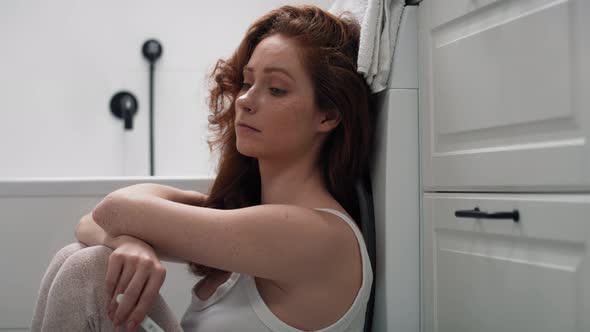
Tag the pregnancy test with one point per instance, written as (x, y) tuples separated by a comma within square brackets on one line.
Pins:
[(148, 324)]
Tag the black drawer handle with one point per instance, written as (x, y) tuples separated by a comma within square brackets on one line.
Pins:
[(476, 213)]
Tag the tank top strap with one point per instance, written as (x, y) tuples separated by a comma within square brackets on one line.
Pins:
[(345, 218), (359, 235)]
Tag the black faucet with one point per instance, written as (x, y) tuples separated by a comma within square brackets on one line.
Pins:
[(124, 106)]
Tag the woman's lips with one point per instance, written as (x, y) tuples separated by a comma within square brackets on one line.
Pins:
[(245, 126)]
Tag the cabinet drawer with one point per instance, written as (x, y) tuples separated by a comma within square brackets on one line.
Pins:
[(503, 90), (501, 275)]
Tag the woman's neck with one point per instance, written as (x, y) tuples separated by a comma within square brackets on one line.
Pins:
[(289, 182)]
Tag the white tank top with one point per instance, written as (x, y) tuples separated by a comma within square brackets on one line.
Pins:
[(236, 305)]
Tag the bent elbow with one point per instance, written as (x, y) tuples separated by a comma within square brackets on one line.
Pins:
[(105, 214)]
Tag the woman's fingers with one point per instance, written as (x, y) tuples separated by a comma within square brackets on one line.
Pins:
[(114, 271), (132, 292), (114, 268), (124, 279), (135, 271), (151, 290)]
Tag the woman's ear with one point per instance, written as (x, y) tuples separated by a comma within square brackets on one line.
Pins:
[(329, 120)]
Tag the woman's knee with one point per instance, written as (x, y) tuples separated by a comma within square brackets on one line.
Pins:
[(64, 253), (90, 257), (87, 263), (79, 287)]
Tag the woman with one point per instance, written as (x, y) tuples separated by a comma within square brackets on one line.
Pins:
[(291, 117)]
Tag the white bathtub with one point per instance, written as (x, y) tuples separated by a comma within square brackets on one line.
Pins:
[(38, 217)]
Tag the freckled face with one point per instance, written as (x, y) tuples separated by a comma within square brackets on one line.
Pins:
[(276, 116)]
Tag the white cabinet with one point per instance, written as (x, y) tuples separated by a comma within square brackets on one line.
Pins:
[(504, 116), (505, 95), (499, 275)]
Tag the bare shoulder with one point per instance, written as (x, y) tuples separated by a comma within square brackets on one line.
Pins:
[(341, 276), (346, 236)]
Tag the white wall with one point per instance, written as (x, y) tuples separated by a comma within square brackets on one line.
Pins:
[(61, 62)]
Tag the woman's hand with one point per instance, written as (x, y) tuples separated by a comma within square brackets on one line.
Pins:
[(135, 271)]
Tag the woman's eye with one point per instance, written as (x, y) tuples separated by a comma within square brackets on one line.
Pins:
[(277, 92), (273, 91)]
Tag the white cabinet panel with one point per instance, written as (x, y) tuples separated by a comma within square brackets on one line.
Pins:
[(504, 102), (501, 275)]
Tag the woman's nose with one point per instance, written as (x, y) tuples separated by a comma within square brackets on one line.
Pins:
[(245, 102)]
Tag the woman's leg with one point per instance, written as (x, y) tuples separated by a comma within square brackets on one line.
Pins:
[(77, 298), (56, 263)]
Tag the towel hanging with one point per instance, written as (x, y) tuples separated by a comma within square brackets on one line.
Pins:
[(379, 21)]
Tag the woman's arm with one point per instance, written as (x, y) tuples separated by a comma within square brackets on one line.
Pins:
[(169, 193), (89, 233), (284, 243)]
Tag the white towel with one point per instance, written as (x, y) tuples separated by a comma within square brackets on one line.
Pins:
[(379, 20)]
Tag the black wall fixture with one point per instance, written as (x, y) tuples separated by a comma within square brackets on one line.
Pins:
[(124, 106), (152, 51)]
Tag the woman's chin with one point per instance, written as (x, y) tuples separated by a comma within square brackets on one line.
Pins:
[(247, 151)]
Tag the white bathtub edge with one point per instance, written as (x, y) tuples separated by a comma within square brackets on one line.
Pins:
[(95, 186)]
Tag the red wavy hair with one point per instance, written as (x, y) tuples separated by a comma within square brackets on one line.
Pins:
[(329, 46)]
